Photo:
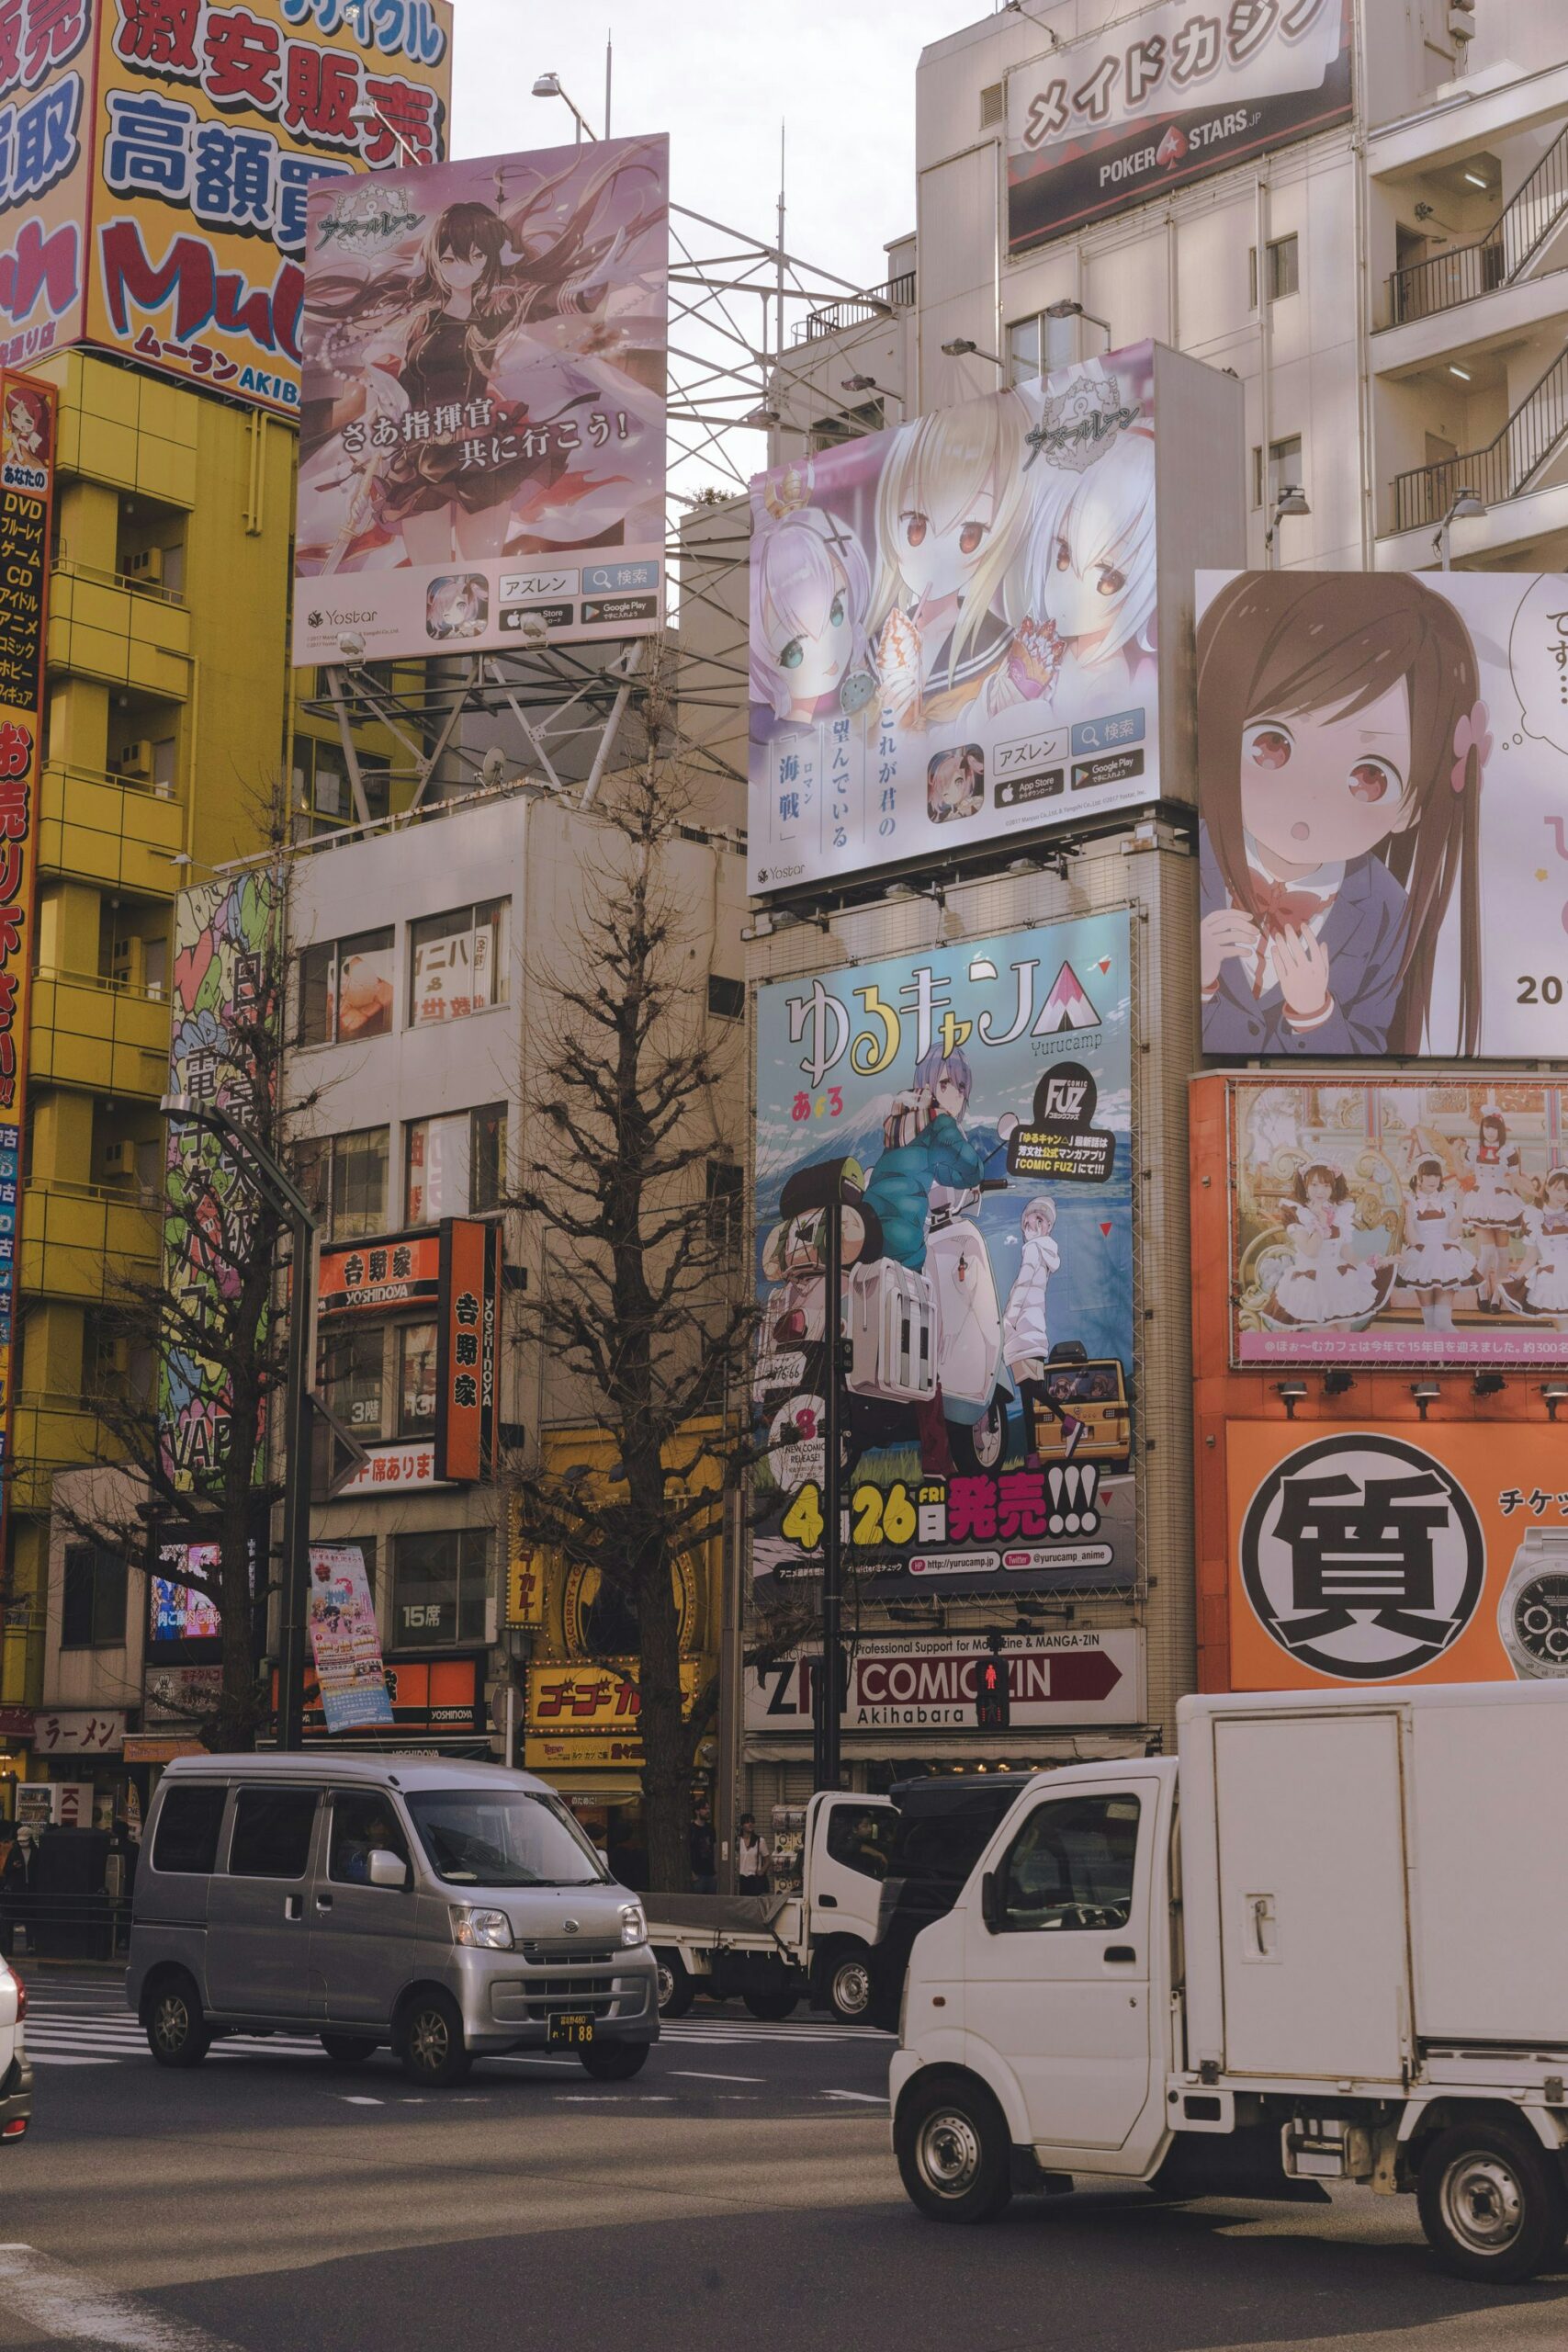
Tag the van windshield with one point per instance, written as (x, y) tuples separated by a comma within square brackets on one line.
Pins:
[(511, 1838)]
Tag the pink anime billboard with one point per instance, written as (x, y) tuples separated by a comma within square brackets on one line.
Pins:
[(481, 448), (953, 627)]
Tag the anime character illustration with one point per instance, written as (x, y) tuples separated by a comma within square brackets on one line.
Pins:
[(1433, 1263), (1026, 1345), (1495, 1208), (453, 383), (364, 997), (23, 427), (811, 653), (1326, 1282), (1540, 1286), (458, 604), (1341, 749), (951, 503), (955, 783)]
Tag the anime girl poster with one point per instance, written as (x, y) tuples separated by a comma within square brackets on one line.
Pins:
[(482, 401), (954, 626), (1383, 803)]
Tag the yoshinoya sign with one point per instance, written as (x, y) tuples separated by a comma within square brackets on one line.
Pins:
[(900, 1683), (1164, 97), (403, 1270)]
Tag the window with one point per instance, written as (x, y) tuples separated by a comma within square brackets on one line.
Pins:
[(726, 1206), (457, 964), (457, 1166), (1037, 346), (346, 990), (993, 105), (272, 1833), (1284, 266), (829, 432), (727, 998), (188, 1823), (416, 1380), (92, 1616), (859, 1838), (359, 1183), (440, 1588), (361, 1825), (350, 1372), (322, 789), (1071, 1865), (502, 1837), (1284, 470)]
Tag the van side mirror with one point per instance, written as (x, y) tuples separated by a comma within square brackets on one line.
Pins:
[(991, 1900), (383, 1869)]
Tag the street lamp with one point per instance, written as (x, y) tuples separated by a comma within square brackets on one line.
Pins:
[(961, 347), (1068, 310), (870, 384), (279, 1190), (549, 87), (1293, 501), (366, 112), (1463, 502)]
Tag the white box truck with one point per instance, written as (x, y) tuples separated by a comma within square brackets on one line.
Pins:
[(1328, 1940)]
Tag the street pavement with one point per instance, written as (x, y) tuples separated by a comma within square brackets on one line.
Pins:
[(738, 2194)]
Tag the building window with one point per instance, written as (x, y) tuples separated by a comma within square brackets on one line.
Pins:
[(346, 990), (457, 964), (440, 1588), (829, 432), (727, 998), (457, 1166), (416, 1380), (1037, 346), (322, 789), (1284, 470), (1284, 269), (725, 1209), (993, 105), (92, 1616), (359, 1183), (350, 1375)]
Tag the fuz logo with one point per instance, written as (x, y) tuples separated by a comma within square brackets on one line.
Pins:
[(1362, 1556), (1065, 1099)]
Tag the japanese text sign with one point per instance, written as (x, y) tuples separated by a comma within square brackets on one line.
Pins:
[(359, 1276), (1163, 96), (482, 457), (466, 1365), (79, 1731), (579, 1698), (903, 1683), (345, 1645)]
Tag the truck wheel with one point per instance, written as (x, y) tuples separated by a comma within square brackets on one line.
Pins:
[(677, 1988), (846, 1985), (1493, 2204), (177, 2031), (954, 2152), (614, 2061), (772, 2006)]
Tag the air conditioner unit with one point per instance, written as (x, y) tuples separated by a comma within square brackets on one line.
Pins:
[(119, 1160), (136, 759), (145, 567)]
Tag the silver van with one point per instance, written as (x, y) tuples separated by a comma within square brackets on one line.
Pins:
[(452, 1911)]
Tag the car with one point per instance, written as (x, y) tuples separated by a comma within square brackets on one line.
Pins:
[(15, 2075)]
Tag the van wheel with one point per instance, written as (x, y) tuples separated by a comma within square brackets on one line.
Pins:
[(433, 2050), (677, 1989), (954, 2152), (772, 2006), (177, 2031), (614, 2061), (1493, 2204), (347, 2049)]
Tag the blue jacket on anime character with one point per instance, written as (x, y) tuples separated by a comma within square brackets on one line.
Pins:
[(925, 1147), (1363, 938)]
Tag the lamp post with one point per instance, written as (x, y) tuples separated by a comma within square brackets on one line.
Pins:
[(963, 346), (1463, 502), (279, 1190), (1293, 501), (548, 85), (1067, 308)]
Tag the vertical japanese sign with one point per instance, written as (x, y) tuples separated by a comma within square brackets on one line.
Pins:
[(973, 1108), (26, 488), (466, 1347), (1163, 96), (481, 450), (345, 1645), (228, 939), (46, 76)]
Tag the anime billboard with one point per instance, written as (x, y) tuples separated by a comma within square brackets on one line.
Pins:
[(971, 1110), (1383, 796), (953, 627), (1413, 1221), (1163, 97), (481, 452)]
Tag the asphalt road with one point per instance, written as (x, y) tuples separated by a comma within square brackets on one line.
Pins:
[(738, 2194)]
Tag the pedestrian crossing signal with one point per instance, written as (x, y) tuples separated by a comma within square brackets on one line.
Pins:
[(992, 1694)]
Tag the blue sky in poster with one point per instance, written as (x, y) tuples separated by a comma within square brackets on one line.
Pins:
[(812, 1104)]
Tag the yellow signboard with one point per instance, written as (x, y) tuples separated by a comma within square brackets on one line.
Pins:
[(524, 1581), (569, 1701)]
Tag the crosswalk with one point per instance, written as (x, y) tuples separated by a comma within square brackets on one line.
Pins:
[(61, 2032)]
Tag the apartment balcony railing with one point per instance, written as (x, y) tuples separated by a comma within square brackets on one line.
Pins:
[(1517, 235), (858, 310), (1506, 466)]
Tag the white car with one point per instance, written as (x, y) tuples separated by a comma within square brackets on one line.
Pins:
[(15, 2075)]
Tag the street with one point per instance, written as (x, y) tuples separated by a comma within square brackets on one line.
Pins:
[(740, 2192)]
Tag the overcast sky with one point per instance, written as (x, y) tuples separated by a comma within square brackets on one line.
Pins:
[(719, 76)]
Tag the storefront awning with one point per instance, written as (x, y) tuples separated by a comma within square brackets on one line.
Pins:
[(605, 1788)]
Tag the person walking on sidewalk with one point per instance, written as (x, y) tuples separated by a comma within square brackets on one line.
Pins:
[(750, 1858)]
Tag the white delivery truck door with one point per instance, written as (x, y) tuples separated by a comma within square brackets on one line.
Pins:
[(1313, 1936)]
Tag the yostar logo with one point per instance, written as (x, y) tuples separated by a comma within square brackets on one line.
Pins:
[(332, 618)]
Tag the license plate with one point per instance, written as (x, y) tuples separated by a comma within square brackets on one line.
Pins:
[(570, 2029)]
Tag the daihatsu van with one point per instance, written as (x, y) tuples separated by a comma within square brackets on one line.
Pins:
[(451, 1911)]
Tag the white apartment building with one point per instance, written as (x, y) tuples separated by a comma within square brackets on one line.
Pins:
[(1404, 339)]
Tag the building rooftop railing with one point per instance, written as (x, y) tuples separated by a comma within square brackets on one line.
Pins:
[(858, 310)]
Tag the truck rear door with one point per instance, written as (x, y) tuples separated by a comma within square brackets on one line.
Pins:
[(1313, 1917)]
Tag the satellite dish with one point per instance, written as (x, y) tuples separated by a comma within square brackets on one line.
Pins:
[(492, 767)]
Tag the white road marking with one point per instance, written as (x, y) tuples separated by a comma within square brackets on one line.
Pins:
[(359, 2098), (692, 2075), (870, 2098), (51, 2058), (74, 2309)]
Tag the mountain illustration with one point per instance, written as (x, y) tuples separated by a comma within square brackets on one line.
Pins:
[(1068, 1006)]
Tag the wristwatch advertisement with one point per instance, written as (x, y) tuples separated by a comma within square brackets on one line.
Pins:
[(1532, 1616)]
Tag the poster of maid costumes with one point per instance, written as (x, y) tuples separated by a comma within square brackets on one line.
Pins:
[(953, 626), (1384, 794), (1416, 1220)]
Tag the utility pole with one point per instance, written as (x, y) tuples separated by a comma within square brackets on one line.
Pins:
[(829, 1677)]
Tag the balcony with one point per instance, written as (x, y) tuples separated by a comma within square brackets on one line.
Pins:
[(858, 310), (1524, 456), (99, 1035), (50, 1433), (1522, 239), (105, 830), (78, 1239), (104, 626)]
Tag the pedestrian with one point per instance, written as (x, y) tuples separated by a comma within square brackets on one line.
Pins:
[(705, 1875), (750, 1858), (18, 1878)]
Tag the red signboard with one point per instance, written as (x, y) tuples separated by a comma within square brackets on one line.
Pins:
[(428, 1694), (403, 1270), (467, 1321)]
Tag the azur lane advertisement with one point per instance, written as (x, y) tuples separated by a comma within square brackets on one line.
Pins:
[(970, 1108)]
